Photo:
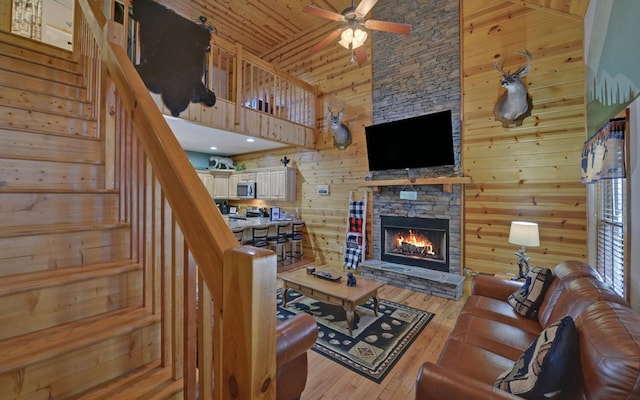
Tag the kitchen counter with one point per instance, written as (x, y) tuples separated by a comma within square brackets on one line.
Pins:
[(255, 221)]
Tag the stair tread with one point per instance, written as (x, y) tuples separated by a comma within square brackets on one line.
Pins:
[(42, 85), (18, 352), (22, 97), (57, 228), (18, 64), (35, 189), (149, 382), (12, 284), (38, 52)]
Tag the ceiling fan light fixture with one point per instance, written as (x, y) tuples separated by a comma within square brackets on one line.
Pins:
[(353, 38), (359, 37), (346, 38)]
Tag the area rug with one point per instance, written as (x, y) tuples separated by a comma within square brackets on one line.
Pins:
[(377, 342)]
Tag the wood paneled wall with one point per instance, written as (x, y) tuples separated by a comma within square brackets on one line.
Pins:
[(5, 16), (528, 173), (340, 82), (531, 172)]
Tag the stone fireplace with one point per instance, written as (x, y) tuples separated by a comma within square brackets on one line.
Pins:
[(434, 216), (411, 77)]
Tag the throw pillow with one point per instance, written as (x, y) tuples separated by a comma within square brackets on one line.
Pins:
[(528, 298), (546, 365)]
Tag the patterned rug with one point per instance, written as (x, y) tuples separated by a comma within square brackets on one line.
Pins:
[(377, 342)]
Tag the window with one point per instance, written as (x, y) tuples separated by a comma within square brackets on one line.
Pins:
[(610, 217)]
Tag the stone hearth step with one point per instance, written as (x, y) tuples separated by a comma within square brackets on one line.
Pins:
[(436, 283)]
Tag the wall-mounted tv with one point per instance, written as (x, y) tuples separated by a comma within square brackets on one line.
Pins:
[(418, 142)]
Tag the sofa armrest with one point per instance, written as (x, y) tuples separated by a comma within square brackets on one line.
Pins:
[(294, 337), (496, 288), (435, 382)]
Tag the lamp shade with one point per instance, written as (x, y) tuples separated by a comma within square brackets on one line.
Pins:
[(524, 233)]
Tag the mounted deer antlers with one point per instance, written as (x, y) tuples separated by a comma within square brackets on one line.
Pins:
[(341, 134), (515, 104)]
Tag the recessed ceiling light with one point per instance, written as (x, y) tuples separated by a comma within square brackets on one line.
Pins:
[(213, 148), (251, 140)]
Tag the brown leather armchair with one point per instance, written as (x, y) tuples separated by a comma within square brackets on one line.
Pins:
[(294, 337)]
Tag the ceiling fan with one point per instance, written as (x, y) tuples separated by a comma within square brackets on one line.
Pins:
[(352, 33)]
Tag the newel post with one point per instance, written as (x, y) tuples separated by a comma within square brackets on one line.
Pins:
[(248, 314)]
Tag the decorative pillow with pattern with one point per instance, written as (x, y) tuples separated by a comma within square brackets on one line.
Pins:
[(546, 365), (527, 299)]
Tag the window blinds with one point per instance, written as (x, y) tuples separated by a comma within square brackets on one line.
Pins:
[(610, 232)]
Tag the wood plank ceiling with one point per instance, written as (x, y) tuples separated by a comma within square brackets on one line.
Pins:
[(263, 26)]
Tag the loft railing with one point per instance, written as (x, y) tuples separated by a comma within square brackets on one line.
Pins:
[(258, 98), (225, 329)]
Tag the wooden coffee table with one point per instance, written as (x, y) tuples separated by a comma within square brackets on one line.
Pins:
[(337, 293)]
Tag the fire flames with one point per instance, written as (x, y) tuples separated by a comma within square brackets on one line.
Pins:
[(417, 244)]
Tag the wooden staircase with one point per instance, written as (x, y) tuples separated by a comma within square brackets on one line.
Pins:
[(74, 320)]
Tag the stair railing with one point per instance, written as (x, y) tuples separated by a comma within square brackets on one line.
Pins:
[(191, 260)]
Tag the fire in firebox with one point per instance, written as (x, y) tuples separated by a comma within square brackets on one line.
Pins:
[(414, 245)]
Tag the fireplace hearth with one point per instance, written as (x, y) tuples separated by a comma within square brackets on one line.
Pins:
[(413, 241)]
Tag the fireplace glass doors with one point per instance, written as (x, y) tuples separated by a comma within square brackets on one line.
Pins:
[(419, 242)]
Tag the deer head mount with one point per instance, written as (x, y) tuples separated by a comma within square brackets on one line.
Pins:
[(515, 104), (341, 134)]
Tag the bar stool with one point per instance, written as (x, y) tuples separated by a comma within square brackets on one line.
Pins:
[(295, 239), (239, 234), (279, 241), (259, 236)]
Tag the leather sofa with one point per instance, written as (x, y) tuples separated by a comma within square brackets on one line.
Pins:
[(294, 336), (489, 336)]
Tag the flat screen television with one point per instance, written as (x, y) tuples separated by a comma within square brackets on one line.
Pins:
[(418, 142)]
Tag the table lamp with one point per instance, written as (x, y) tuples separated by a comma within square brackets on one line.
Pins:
[(524, 234)]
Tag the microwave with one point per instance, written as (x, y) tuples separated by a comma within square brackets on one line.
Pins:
[(246, 190)]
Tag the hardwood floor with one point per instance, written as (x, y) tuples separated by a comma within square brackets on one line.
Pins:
[(330, 381)]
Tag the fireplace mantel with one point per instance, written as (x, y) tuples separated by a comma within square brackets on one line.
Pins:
[(446, 182)]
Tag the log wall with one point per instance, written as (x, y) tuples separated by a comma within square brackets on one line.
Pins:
[(531, 172)]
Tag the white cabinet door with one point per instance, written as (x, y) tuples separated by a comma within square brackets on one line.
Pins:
[(233, 186), (220, 187), (263, 185), (247, 177), (207, 179), (279, 185)]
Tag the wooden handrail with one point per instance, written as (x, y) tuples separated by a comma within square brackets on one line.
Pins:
[(211, 236), (172, 219)]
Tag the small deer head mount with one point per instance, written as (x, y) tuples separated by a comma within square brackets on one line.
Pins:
[(515, 104), (341, 134)]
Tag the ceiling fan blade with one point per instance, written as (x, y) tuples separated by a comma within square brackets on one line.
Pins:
[(326, 41), (361, 55), (322, 13), (393, 27), (365, 6)]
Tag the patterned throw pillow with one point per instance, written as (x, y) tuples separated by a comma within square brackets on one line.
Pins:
[(528, 298), (546, 365)]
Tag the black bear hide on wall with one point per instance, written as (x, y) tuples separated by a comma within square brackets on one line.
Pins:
[(172, 54)]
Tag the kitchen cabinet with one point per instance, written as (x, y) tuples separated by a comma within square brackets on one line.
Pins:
[(263, 185), (246, 177), (276, 184), (233, 185), (221, 186), (217, 184), (208, 181)]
